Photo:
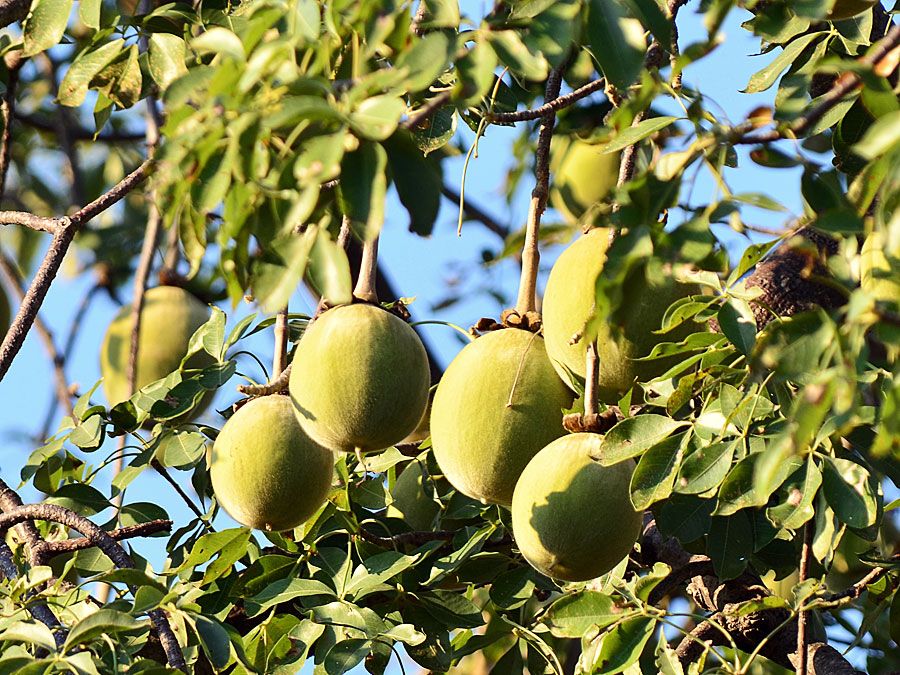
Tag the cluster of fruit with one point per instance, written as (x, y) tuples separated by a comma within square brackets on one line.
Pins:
[(360, 383)]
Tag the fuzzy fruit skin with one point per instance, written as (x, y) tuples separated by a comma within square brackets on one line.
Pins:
[(844, 9), (482, 443), (875, 271), (5, 314), (412, 495), (572, 518), (582, 175), (360, 379), (265, 472), (169, 317), (569, 301)]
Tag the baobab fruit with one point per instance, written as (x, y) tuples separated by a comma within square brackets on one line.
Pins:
[(360, 379), (844, 9), (876, 276), (569, 303), (412, 499), (572, 518), (169, 317), (497, 405), (582, 175), (265, 471)]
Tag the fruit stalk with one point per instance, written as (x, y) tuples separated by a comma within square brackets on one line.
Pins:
[(526, 301), (368, 268), (279, 360), (591, 379)]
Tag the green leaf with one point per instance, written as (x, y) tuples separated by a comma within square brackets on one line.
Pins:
[(285, 590), (452, 609), (730, 544), (377, 118), (219, 41), (801, 489), (212, 543), (214, 640), (363, 188), (166, 54), (74, 85), (440, 14), (654, 476), (425, 61), (623, 645), (881, 137), (634, 435), (616, 41), (574, 615), (765, 78), (101, 622), (738, 324), (89, 12), (652, 16), (45, 25), (849, 492), (30, 633), (180, 448), (418, 181), (277, 274), (638, 132), (307, 22), (514, 53), (705, 468), (83, 499), (513, 588), (346, 655), (329, 271)]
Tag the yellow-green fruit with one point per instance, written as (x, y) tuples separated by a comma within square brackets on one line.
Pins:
[(5, 314), (265, 472), (844, 9), (572, 518), (497, 405), (569, 302), (169, 317), (876, 275), (360, 379), (413, 500), (582, 175)]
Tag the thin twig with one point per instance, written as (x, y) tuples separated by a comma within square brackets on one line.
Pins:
[(161, 470), (63, 123), (550, 106), (111, 548), (531, 256), (14, 280), (64, 230)]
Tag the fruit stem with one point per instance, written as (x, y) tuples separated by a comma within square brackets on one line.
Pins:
[(279, 360), (591, 378), (526, 301), (368, 267)]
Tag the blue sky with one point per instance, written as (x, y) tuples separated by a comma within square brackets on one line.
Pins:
[(419, 267)]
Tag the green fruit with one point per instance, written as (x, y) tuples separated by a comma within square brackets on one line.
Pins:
[(5, 314), (876, 276), (572, 518), (582, 175), (413, 500), (569, 302), (265, 472), (497, 405), (360, 379), (844, 9), (169, 317)]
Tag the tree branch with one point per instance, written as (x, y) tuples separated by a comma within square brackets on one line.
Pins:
[(476, 213), (64, 230), (52, 548), (110, 547), (80, 133), (12, 11), (550, 106)]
